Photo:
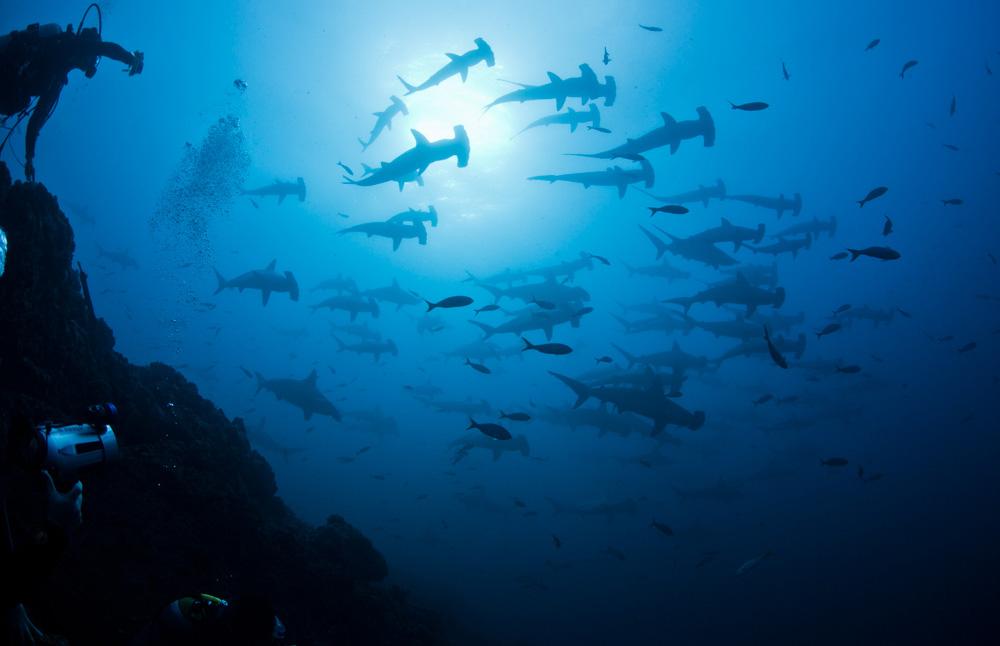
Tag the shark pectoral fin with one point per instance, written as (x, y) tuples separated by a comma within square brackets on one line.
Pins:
[(400, 182), (266, 296), (674, 145), (621, 190), (548, 333), (465, 73), (560, 101), (281, 198), (572, 127), (496, 454), (395, 243), (420, 180)]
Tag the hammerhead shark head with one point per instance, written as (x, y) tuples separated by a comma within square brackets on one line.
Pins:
[(393, 230), (571, 117), (701, 194), (412, 216), (281, 189), (417, 159), (383, 120), (586, 87), (669, 134), (614, 176), (457, 65)]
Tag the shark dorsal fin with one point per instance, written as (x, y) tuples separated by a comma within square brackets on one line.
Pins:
[(313, 376), (453, 57), (587, 72), (421, 140), (395, 283), (271, 266), (553, 77), (726, 223), (741, 279), (667, 119)]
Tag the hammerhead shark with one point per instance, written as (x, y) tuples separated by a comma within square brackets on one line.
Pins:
[(586, 87), (393, 230), (697, 250), (413, 177), (701, 194), (281, 189), (412, 216), (458, 65), (778, 204), (267, 280), (669, 134), (417, 159), (736, 292), (571, 117), (650, 403), (383, 120), (614, 176), (812, 227), (301, 393)]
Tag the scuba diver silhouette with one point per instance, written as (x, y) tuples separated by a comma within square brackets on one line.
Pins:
[(36, 62)]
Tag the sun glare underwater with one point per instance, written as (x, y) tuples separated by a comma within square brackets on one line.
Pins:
[(605, 322)]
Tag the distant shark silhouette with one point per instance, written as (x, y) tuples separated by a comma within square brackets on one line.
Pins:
[(701, 194), (383, 120), (267, 280), (301, 393), (395, 231), (778, 204), (571, 117), (615, 176), (458, 65), (671, 133), (417, 159), (281, 189), (586, 87)]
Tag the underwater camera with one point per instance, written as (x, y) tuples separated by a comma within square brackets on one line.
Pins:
[(67, 449)]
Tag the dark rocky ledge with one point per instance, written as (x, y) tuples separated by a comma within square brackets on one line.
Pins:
[(190, 506)]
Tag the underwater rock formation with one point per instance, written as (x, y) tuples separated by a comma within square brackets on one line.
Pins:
[(190, 507)]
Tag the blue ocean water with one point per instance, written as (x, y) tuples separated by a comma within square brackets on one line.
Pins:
[(766, 544)]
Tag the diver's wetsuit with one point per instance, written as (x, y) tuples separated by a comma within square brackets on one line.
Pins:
[(36, 62)]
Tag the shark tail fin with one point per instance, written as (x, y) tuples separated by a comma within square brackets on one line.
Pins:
[(410, 89), (631, 358), (220, 279), (488, 330), (854, 254), (260, 382), (579, 388)]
